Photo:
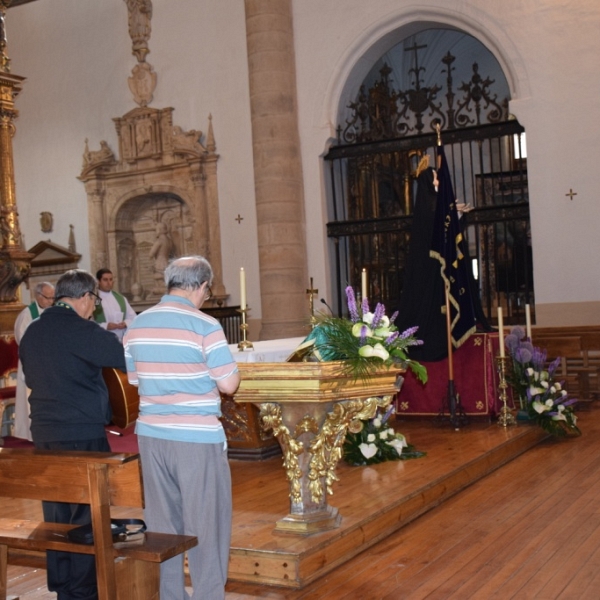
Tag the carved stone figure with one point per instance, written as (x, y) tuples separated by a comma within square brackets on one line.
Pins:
[(96, 157), (140, 15), (143, 137), (161, 251), (189, 141)]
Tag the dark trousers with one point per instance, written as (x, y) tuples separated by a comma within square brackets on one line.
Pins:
[(72, 576)]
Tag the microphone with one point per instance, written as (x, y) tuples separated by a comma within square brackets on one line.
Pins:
[(327, 305)]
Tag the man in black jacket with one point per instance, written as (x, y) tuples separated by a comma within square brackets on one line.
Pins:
[(63, 354)]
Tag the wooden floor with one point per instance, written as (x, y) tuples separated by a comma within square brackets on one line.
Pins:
[(530, 529)]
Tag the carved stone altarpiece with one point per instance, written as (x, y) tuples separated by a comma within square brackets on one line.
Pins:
[(154, 200)]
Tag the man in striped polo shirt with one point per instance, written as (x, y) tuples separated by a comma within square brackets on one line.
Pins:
[(179, 359)]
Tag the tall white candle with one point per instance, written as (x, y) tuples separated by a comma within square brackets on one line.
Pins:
[(243, 288), (363, 284), (528, 321), (501, 331)]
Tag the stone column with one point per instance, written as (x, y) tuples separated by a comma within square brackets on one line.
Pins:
[(277, 168)]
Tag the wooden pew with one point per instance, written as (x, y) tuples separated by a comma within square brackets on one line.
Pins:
[(579, 349), (101, 480)]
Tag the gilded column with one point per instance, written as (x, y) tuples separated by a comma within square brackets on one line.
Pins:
[(277, 168), (15, 263)]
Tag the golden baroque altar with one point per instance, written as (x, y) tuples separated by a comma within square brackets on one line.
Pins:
[(310, 406)]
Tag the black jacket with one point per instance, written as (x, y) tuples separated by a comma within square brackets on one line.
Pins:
[(62, 356)]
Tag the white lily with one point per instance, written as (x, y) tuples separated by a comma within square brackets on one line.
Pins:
[(382, 332), (357, 330), (368, 450), (381, 352), (366, 351), (539, 407), (384, 321), (398, 443), (535, 391)]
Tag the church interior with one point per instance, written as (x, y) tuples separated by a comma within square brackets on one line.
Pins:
[(281, 139)]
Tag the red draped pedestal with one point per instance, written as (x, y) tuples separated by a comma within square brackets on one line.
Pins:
[(475, 381)]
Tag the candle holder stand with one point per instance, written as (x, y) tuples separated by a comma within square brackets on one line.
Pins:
[(244, 343), (505, 418)]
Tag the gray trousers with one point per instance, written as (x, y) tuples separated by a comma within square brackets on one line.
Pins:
[(187, 490)]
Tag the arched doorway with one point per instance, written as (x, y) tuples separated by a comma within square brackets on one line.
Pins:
[(445, 76)]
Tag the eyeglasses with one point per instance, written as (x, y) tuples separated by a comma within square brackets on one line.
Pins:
[(49, 298), (97, 299)]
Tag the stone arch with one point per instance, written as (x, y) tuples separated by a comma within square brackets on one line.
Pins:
[(355, 64)]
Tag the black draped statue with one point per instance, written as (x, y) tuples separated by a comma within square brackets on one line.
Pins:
[(422, 297)]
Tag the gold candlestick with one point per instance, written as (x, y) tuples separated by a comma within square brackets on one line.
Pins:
[(244, 343), (505, 418)]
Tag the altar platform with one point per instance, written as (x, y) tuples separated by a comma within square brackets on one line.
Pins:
[(373, 501)]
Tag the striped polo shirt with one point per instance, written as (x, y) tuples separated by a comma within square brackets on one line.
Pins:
[(175, 354)]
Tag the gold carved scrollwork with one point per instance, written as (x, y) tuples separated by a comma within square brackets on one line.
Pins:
[(270, 414), (327, 447)]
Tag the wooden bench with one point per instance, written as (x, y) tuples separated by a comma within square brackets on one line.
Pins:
[(101, 480)]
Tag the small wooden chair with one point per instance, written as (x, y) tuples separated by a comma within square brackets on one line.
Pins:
[(568, 348), (590, 349)]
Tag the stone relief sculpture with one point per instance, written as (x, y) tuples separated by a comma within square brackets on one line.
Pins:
[(142, 83), (161, 252), (187, 141), (94, 158), (140, 15), (143, 137)]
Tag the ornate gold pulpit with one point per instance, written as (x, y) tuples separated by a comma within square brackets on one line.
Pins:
[(310, 406)]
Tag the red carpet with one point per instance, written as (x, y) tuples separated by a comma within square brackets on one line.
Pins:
[(125, 442)]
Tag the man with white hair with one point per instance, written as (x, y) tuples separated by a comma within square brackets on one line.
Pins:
[(43, 294), (179, 359)]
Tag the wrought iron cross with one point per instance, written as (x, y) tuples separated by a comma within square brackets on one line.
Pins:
[(571, 194)]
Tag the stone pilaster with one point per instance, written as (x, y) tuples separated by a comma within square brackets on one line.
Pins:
[(277, 168)]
